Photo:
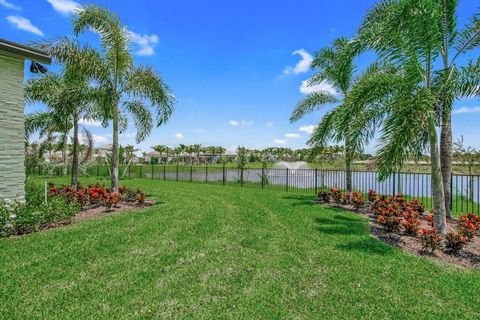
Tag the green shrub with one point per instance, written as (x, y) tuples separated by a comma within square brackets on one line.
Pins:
[(20, 218), (34, 193)]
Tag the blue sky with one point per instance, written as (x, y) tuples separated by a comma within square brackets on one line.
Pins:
[(235, 67)]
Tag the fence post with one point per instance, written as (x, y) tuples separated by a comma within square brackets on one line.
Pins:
[(191, 173), (451, 193), (177, 173), (394, 184), (241, 177), (399, 183), (263, 177), (141, 171), (206, 174), (164, 173), (224, 174), (316, 179), (286, 186), (152, 171)]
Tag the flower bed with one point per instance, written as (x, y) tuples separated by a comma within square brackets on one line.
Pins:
[(64, 206), (405, 224)]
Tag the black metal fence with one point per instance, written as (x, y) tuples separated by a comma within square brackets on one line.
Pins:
[(465, 188)]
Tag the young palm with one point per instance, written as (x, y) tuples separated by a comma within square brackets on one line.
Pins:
[(45, 124), (123, 87), (413, 98), (407, 34), (69, 97), (334, 66), (454, 43)]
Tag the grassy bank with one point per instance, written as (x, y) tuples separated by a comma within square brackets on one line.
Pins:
[(211, 252)]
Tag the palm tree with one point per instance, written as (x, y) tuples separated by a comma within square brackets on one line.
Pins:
[(447, 90), (220, 151), (197, 149), (122, 86), (161, 149), (334, 66), (168, 152), (414, 97), (69, 97), (406, 34), (179, 151)]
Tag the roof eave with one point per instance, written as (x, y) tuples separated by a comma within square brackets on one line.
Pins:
[(20, 51)]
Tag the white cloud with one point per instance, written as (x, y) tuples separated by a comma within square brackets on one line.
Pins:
[(269, 124), (321, 87), (145, 43), (179, 136), (23, 23), (303, 65), (293, 135), (466, 110), (307, 129), (90, 123), (279, 141), (65, 7), (99, 138), (9, 5), (245, 123)]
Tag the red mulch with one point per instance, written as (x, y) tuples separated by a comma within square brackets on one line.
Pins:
[(468, 257)]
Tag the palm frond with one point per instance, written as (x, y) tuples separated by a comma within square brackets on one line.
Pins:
[(113, 36), (405, 131), (88, 141), (145, 83), (142, 118), (324, 132), (311, 103), (469, 38)]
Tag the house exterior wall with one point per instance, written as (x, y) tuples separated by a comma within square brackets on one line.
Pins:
[(12, 129)]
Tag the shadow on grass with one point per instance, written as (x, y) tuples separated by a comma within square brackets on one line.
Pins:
[(369, 246), (352, 226), (301, 200), (340, 225)]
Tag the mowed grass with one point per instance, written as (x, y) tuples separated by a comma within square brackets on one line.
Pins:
[(224, 252)]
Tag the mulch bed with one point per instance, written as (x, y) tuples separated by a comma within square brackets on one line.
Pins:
[(99, 211), (468, 257)]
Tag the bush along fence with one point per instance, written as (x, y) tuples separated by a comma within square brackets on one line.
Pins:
[(465, 188)]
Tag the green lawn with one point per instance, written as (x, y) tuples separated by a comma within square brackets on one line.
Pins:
[(215, 252)]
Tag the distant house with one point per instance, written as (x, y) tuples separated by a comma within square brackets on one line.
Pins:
[(100, 153), (12, 127)]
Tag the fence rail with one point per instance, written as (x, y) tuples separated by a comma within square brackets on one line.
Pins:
[(465, 188)]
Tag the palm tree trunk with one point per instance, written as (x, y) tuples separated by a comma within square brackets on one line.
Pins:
[(348, 163), (446, 159), (64, 155), (439, 212), (446, 149), (74, 181), (348, 174), (115, 156)]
